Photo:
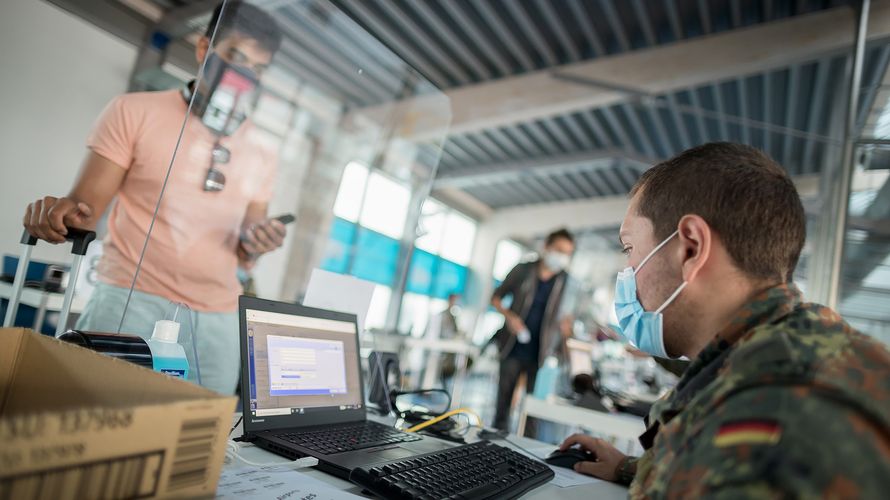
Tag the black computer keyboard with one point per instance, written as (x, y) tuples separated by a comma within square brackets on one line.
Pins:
[(330, 441), (480, 470)]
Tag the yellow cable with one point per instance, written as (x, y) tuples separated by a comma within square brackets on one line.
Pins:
[(443, 417)]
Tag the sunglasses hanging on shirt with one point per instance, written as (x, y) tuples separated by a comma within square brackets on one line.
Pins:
[(216, 180), (223, 99)]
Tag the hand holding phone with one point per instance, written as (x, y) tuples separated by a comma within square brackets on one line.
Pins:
[(265, 236)]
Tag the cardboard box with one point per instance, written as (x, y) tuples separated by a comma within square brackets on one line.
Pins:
[(78, 424)]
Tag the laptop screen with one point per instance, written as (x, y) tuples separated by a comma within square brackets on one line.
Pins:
[(301, 364)]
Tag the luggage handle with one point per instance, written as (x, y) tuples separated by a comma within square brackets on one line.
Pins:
[(81, 239)]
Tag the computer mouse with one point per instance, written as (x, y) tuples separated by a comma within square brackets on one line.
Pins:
[(569, 458)]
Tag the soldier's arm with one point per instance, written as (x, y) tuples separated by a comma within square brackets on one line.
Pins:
[(783, 441)]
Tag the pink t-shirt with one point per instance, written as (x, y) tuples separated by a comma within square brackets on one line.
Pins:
[(191, 257)]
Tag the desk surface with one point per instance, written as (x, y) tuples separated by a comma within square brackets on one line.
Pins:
[(599, 489)]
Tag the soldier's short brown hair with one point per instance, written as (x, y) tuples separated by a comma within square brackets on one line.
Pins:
[(743, 195)]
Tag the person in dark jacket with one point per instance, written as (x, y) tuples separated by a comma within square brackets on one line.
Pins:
[(532, 328)]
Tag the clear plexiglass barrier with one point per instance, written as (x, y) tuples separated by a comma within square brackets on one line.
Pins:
[(286, 138)]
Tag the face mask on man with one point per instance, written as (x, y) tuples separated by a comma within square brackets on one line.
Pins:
[(224, 95), (556, 261), (641, 328)]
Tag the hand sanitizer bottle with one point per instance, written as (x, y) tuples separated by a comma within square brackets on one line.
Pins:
[(167, 355), (545, 381)]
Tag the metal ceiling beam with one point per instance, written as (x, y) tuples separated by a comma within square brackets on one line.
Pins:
[(587, 27), (704, 16), (615, 24), (482, 173), (556, 25), (299, 42), (742, 84), (618, 128), (497, 25), (479, 40), (440, 58), (638, 129), (544, 141), (342, 35), (778, 129), (695, 62), (674, 19), (597, 129), (718, 106), (679, 122), (517, 11), (503, 138), (360, 10), (704, 134), (815, 116), (645, 23), (660, 130), (790, 109), (452, 40), (736, 10)]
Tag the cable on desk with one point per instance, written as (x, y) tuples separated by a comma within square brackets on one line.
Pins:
[(443, 416), (236, 424), (300, 463)]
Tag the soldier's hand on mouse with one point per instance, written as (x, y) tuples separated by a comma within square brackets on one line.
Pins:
[(607, 456)]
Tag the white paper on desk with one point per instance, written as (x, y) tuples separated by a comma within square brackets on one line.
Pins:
[(565, 478), (337, 292), (274, 484)]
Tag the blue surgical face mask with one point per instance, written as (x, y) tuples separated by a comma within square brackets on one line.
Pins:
[(643, 329)]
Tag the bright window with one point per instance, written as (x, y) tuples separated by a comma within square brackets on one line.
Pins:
[(414, 314), (457, 244), (378, 308), (431, 226), (352, 188), (506, 256), (491, 322), (386, 206)]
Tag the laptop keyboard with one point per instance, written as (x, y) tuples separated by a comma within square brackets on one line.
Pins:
[(352, 437)]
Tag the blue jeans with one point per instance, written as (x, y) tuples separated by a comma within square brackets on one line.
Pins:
[(215, 334)]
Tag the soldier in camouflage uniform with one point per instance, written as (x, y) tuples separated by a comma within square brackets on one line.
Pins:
[(785, 400)]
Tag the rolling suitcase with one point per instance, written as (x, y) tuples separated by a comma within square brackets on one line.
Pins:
[(81, 240)]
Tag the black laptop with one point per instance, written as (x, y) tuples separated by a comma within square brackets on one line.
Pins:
[(302, 392)]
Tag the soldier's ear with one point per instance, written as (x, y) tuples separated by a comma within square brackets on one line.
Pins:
[(696, 238)]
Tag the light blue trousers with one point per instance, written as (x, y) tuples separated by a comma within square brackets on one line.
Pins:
[(215, 334)]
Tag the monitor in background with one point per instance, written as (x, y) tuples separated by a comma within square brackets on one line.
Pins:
[(301, 364)]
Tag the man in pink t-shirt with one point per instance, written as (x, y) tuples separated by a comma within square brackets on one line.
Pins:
[(212, 216)]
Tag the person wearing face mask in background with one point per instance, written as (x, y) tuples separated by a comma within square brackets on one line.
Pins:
[(782, 398), (213, 216), (534, 328)]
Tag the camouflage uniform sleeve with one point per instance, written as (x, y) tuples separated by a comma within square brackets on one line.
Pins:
[(778, 441)]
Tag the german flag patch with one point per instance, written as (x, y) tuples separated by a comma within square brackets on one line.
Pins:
[(748, 432)]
